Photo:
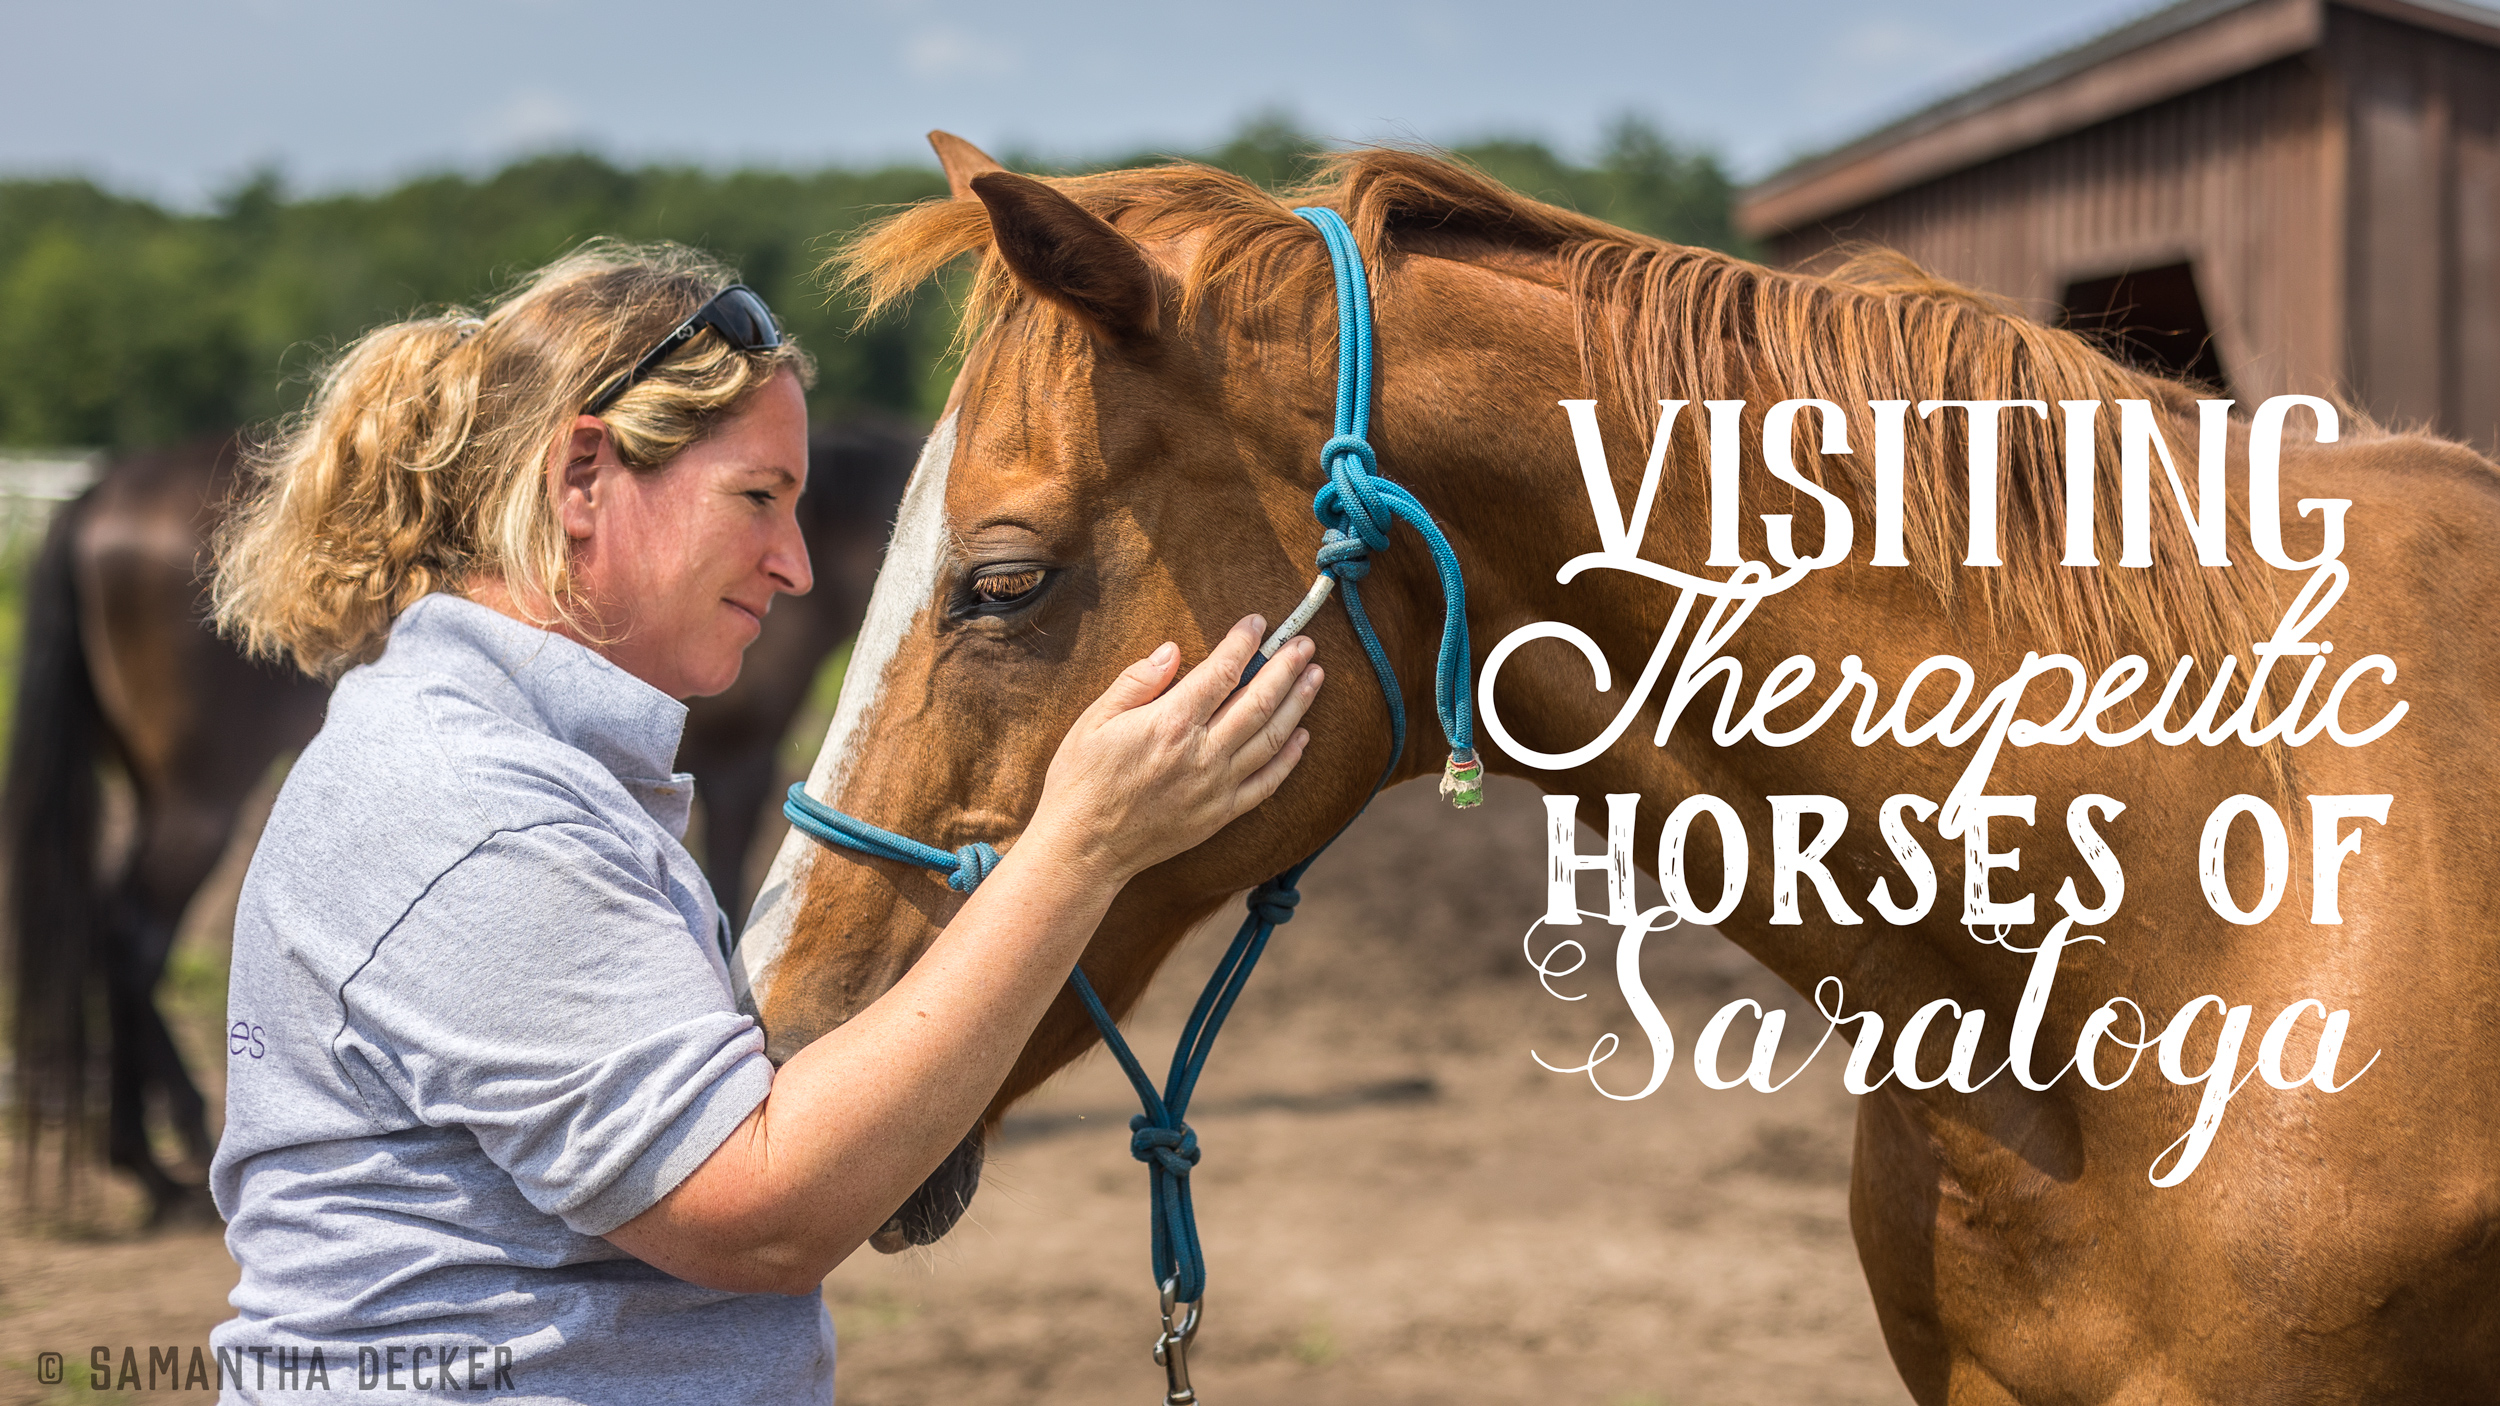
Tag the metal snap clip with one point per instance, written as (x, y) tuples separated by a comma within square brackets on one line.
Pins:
[(1172, 1349)]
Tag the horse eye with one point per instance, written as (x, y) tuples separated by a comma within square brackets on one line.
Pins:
[(1007, 587)]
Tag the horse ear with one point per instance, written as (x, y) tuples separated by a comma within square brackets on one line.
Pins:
[(962, 161), (1061, 251)]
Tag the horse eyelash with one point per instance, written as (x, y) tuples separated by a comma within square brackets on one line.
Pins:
[(1031, 576), (972, 603)]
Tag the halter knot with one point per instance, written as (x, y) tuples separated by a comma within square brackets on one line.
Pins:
[(973, 863), (1272, 903), (1344, 557), (1345, 444), (1175, 1150), (1349, 500)]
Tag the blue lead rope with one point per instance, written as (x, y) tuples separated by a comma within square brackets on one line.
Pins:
[(1357, 508), (964, 869)]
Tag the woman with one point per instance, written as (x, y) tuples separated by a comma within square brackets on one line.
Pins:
[(493, 1120)]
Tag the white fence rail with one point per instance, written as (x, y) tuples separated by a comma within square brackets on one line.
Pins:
[(35, 481)]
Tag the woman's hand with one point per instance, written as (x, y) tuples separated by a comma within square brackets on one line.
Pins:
[(857, 1119), (1147, 773)]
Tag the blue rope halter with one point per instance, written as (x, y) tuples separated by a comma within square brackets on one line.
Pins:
[(1357, 508)]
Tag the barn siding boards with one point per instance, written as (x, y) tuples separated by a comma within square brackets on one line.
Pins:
[(2329, 168), (2222, 179), (2424, 266), (2398, 111), (2167, 53), (2474, 368)]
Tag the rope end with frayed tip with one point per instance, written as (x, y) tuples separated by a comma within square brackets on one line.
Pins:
[(1462, 779)]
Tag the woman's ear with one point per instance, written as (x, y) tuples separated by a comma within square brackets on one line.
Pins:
[(576, 469)]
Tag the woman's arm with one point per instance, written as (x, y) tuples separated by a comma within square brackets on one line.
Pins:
[(860, 1117)]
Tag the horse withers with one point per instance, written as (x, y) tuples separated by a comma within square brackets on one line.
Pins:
[(121, 665), (1129, 455)]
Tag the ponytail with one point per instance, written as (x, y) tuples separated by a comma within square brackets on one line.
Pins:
[(420, 463)]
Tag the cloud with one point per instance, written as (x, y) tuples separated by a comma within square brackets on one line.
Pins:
[(950, 51), (1902, 46), (530, 119)]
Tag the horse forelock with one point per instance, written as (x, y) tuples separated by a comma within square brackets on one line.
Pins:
[(904, 587)]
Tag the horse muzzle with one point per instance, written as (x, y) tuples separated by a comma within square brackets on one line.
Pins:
[(938, 1202)]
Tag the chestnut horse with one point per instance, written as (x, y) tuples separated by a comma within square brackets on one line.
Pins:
[(1129, 455), (120, 662)]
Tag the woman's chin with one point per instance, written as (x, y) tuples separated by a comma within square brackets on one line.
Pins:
[(711, 677)]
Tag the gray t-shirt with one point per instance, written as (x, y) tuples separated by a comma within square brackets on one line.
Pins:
[(480, 1016)]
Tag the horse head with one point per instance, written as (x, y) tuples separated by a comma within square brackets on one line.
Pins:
[(1127, 456)]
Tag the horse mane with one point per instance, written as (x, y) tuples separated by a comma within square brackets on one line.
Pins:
[(1660, 320)]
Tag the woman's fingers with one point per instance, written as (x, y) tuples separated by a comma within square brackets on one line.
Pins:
[(1248, 711), (1262, 731), (1261, 784), (1162, 760), (1215, 677), (1139, 684)]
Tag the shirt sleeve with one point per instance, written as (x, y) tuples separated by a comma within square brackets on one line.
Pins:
[(545, 994)]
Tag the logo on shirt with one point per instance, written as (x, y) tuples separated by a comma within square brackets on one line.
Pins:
[(244, 1037)]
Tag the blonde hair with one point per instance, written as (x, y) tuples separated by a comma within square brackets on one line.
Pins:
[(420, 462)]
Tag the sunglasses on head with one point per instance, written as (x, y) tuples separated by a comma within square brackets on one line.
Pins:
[(735, 312)]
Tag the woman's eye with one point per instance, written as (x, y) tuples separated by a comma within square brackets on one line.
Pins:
[(760, 497), (1006, 587)]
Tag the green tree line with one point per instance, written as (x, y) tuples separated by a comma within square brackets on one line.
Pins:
[(123, 323)]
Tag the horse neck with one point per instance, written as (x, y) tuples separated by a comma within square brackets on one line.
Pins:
[(1470, 419), (1474, 398)]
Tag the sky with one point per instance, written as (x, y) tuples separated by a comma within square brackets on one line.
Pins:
[(179, 99)]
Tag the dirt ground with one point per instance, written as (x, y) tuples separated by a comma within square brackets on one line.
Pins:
[(1398, 1204)]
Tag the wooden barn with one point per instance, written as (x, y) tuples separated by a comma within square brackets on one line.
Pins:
[(2273, 195)]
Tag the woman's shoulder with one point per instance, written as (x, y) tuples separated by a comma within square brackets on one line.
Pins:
[(476, 712), (423, 756), (415, 767), (472, 730)]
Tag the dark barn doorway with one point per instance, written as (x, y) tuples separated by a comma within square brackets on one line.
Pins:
[(2151, 319)]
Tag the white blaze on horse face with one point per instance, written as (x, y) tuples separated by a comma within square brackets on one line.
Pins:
[(905, 585)]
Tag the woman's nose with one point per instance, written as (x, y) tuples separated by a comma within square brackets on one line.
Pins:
[(788, 564)]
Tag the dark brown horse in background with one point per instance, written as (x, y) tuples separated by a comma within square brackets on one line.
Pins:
[(120, 664)]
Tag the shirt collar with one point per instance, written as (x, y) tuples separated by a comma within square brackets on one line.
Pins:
[(559, 688)]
